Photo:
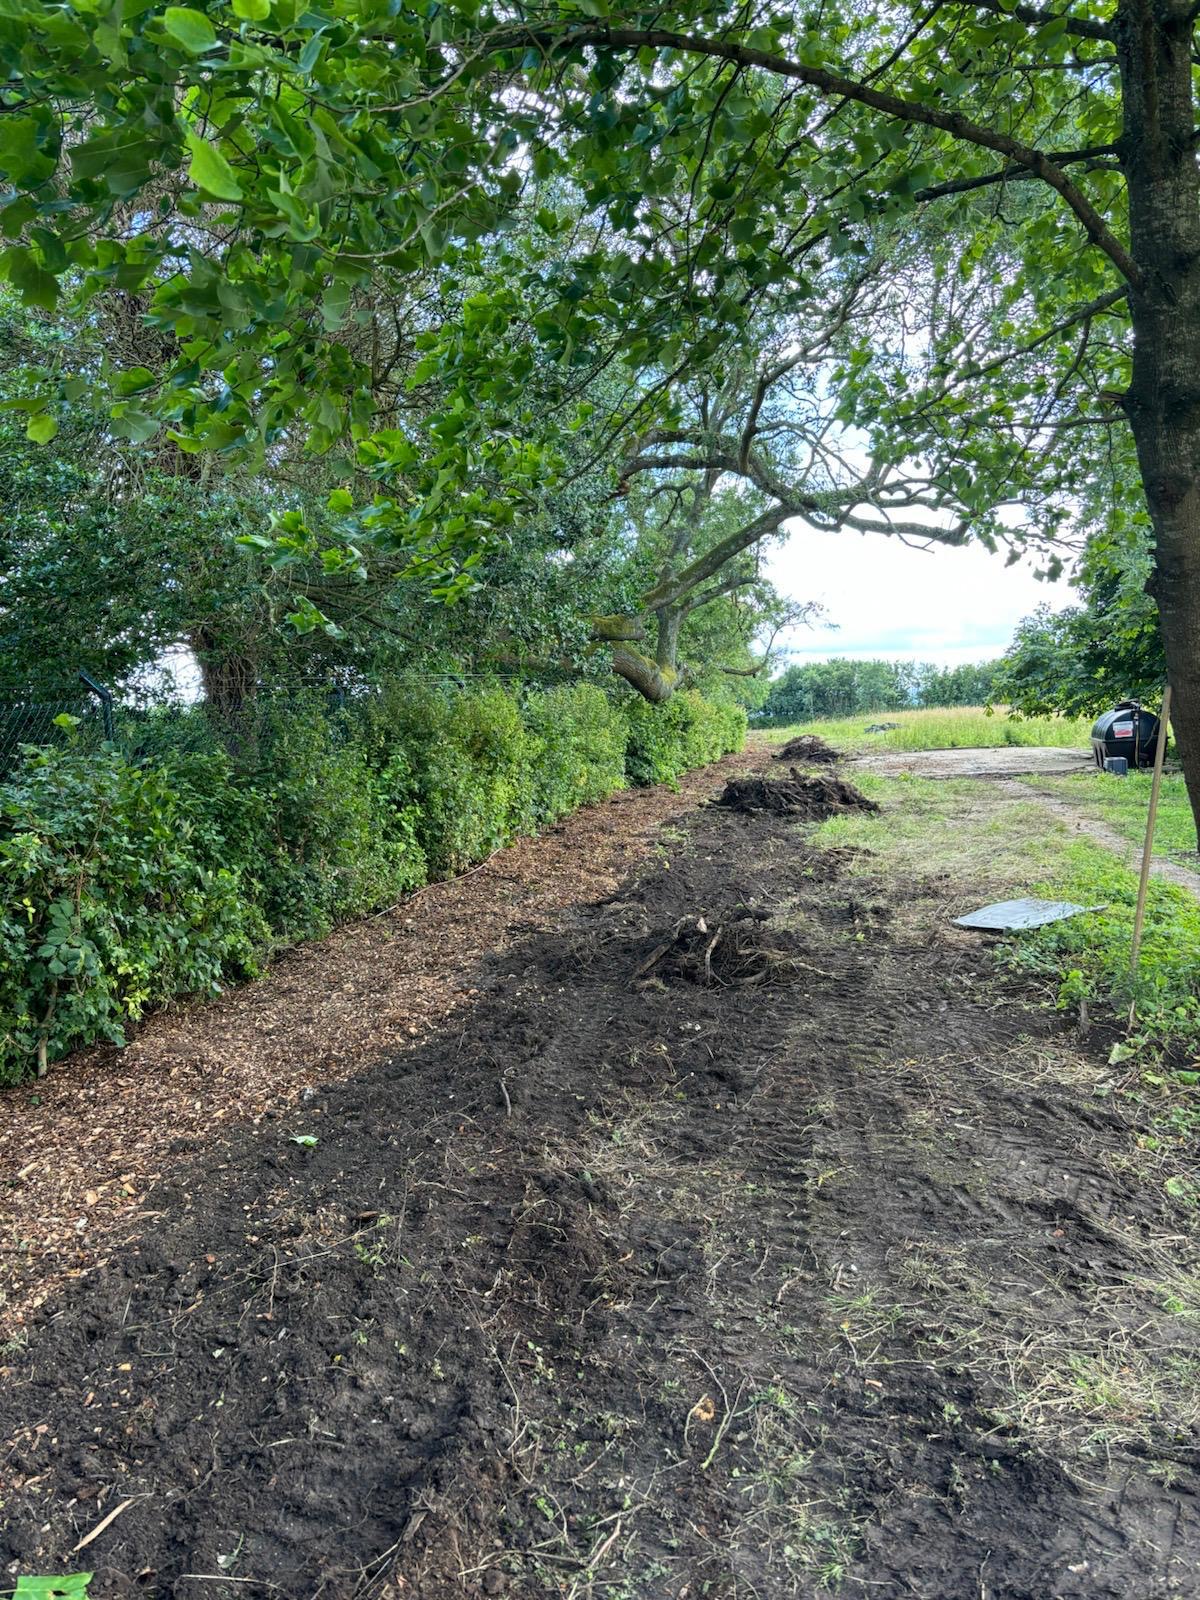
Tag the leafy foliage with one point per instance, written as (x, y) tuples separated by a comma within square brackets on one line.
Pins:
[(126, 880), (71, 1586), (1087, 658), (1088, 957), (665, 741), (581, 737), (113, 895), (843, 686)]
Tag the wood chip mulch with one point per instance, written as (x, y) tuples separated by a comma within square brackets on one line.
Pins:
[(80, 1152)]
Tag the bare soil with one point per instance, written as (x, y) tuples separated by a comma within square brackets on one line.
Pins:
[(809, 747), (641, 1280), (81, 1151), (800, 796), (1001, 762)]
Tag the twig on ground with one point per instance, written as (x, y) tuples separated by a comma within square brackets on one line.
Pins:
[(106, 1522), (708, 955), (441, 883)]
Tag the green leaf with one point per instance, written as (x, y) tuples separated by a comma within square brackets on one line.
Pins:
[(41, 429), (133, 381), (252, 10), (190, 29), (36, 286), (73, 1586), (22, 160), (210, 171)]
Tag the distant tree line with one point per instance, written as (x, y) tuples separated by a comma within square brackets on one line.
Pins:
[(843, 687)]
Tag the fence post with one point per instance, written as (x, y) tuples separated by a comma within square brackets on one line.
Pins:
[(106, 703)]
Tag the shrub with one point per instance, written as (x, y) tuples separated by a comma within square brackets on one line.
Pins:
[(109, 902), (580, 754), (666, 741), (469, 769), (330, 834)]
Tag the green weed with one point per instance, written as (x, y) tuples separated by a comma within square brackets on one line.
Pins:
[(952, 728), (72, 1586)]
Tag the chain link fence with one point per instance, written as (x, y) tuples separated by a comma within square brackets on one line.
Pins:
[(46, 722), (145, 733)]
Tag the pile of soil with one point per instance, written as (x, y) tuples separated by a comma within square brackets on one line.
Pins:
[(734, 950), (810, 799), (809, 747)]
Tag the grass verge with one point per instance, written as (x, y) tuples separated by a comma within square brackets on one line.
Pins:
[(949, 728), (960, 843), (1123, 804)]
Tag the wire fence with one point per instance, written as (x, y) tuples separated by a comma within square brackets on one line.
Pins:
[(46, 722), (144, 733), (163, 729)]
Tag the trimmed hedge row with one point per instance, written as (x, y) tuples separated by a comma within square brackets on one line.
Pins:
[(124, 883)]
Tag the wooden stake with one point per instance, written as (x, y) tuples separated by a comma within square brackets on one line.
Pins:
[(1160, 751)]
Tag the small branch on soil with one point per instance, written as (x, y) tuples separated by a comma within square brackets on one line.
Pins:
[(660, 950), (107, 1521), (708, 955)]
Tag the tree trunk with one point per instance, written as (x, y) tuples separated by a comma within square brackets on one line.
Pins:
[(656, 677), (1154, 42), (229, 680)]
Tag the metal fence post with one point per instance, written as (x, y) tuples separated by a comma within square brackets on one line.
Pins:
[(106, 703)]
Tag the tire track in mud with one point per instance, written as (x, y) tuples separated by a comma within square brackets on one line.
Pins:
[(565, 1301), (932, 1159)]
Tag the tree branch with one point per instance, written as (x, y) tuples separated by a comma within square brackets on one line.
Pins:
[(1081, 27), (1061, 158), (832, 83)]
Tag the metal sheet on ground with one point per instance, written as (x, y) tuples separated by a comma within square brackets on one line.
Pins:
[(1010, 916)]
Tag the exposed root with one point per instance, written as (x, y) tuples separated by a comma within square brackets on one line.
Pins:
[(734, 951)]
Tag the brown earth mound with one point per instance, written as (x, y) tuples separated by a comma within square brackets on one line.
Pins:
[(809, 747), (809, 798)]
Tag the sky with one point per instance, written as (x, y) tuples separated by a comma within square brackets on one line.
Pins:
[(945, 605)]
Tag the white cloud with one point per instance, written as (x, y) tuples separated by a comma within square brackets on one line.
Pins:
[(944, 605)]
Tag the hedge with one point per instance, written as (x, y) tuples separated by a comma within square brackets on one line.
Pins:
[(126, 881)]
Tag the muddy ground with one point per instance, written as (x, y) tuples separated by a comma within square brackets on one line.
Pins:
[(807, 1261)]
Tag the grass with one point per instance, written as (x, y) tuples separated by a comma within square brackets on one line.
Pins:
[(950, 728), (1088, 957), (958, 843), (950, 839), (1124, 802)]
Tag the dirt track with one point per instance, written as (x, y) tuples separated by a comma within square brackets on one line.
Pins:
[(632, 1285), (1004, 761)]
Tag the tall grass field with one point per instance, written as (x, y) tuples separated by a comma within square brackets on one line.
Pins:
[(950, 728)]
